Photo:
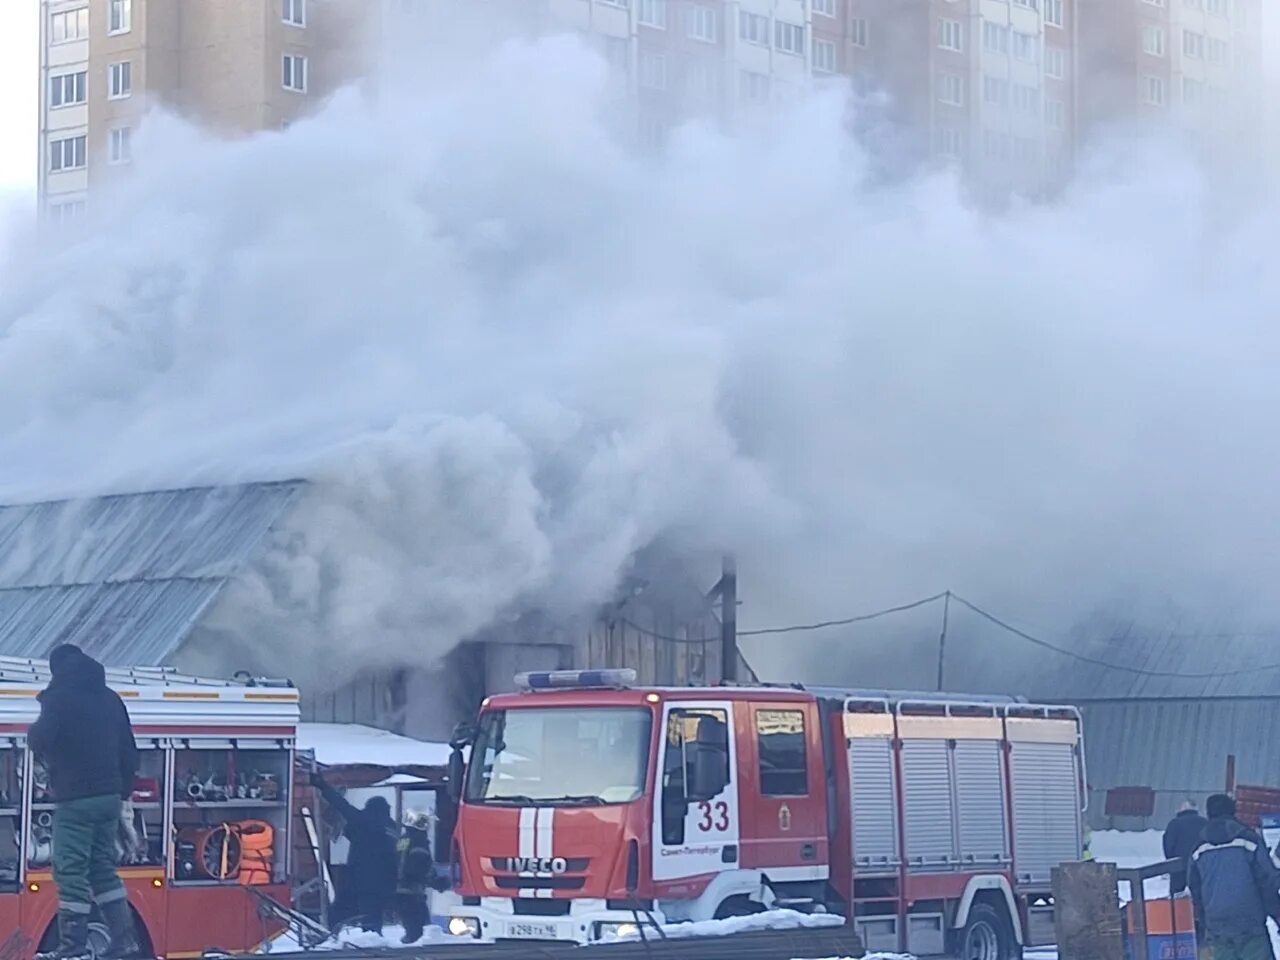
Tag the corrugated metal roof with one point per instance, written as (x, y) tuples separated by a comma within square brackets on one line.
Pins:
[(126, 576)]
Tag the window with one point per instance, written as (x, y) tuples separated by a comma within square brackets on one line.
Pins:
[(951, 89), (1026, 47), (66, 154), (753, 28), (1216, 50), (653, 71), (295, 73), (824, 56), (617, 53), (294, 12), (825, 7), (1153, 91), (1215, 8), (1026, 99), (948, 142), (67, 89), (120, 76), (1053, 13), (120, 146), (703, 24), (789, 37), (61, 212), (1055, 63), (119, 16), (1153, 41), (859, 32), (951, 35), (1154, 3), (707, 727), (1055, 114), (995, 91), (995, 37), (753, 86), (1192, 91), (653, 13), (1030, 4), (69, 25), (702, 79), (784, 771), (1193, 44)]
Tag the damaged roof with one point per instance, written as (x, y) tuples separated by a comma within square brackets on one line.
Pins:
[(127, 576)]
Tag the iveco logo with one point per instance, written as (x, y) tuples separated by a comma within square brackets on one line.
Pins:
[(532, 864)]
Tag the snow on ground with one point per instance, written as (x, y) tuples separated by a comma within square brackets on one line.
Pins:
[(350, 743), (392, 936), (769, 920), (1128, 849)]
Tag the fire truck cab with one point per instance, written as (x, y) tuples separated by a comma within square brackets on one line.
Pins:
[(589, 807), (211, 812)]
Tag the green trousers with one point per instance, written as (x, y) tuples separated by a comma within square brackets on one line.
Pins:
[(1249, 946), (84, 853)]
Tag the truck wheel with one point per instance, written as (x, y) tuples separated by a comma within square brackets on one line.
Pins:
[(987, 935), (738, 907)]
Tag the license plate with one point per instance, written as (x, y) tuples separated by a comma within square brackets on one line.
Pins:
[(534, 931)]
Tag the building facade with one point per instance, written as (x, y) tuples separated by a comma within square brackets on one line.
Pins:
[(234, 66)]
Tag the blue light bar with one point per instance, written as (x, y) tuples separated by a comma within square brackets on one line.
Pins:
[(575, 679)]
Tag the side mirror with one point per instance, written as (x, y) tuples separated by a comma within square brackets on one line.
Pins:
[(457, 770), (707, 773)]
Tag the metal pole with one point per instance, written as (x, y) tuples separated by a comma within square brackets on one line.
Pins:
[(729, 619), (942, 637)]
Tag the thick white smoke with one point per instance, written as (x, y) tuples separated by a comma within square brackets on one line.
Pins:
[(510, 353)]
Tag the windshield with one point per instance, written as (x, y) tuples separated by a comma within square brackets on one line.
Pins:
[(567, 755)]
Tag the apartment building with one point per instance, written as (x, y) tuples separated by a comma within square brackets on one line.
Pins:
[(234, 66), (985, 84), (1197, 63)]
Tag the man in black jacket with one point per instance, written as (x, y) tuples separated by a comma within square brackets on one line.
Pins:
[(1181, 837), (85, 741), (1235, 884), (371, 860)]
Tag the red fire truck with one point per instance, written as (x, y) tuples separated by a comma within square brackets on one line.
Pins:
[(931, 823), (211, 811)]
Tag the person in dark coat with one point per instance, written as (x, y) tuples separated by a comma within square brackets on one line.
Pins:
[(1235, 885), (371, 862), (85, 741), (1181, 837), (416, 870)]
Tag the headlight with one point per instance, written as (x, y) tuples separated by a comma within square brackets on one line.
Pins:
[(616, 931), (464, 926)]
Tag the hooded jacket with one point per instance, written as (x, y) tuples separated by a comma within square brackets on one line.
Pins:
[(1233, 880), (372, 859), (83, 735)]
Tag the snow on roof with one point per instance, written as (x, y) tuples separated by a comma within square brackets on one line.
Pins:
[(339, 744)]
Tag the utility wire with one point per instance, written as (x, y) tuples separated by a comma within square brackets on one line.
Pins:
[(801, 628)]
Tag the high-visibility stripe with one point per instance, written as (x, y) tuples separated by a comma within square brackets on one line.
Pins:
[(271, 696), (188, 695), (1239, 843)]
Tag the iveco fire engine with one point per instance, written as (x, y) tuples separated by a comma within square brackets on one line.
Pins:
[(210, 812), (932, 823)]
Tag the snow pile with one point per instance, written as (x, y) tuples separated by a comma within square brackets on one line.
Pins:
[(336, 744), (392, 936), (1130, 849), (768, 920)]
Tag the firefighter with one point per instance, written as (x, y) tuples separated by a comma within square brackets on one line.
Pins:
[(85, 741), (413, 875), (371, 863), (1181, 837), (1234, 884)]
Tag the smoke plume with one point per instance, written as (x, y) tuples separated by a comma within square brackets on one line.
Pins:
[(509, 352)]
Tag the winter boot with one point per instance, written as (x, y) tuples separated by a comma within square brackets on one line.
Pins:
[(73, 938), (124, 939)]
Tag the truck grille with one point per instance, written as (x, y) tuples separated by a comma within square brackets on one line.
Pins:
[(526, 907), (539, 883)]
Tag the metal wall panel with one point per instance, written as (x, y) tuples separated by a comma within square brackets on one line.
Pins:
[(1046, 808), (927, 808), (875, 810), (980, 810)]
